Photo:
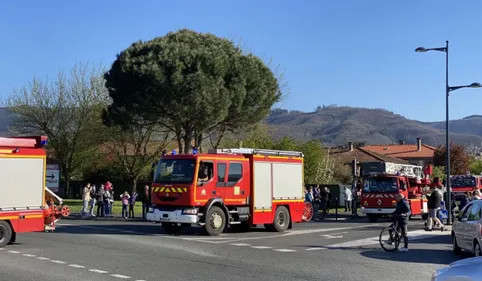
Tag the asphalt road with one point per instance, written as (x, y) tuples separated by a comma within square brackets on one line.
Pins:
[(113, 250)]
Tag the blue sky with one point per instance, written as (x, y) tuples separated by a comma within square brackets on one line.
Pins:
[(354, 53)]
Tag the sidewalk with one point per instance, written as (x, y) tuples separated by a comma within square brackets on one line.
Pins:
[(113, 218)]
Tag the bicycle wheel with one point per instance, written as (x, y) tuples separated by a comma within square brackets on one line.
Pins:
[(387, 244)]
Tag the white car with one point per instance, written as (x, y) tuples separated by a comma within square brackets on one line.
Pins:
[(462, 270), (467, 229)]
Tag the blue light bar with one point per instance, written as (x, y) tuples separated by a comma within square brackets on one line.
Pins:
[(173, 152), (194, 151), (43, 142)]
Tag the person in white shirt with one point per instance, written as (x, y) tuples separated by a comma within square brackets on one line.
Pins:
[(348, 199)]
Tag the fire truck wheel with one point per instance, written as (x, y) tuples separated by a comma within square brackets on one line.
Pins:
[(281, 219), (215, 221), (5, 233)]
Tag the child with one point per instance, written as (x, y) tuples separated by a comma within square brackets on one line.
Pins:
[(125, 202), (132, 201)]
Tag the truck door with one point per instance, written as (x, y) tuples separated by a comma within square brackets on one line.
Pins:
[(235, 190), (221, 168), (206, 185)]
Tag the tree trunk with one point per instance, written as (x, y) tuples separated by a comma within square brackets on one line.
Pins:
[(187, 140), (179, 142), (134, 185)]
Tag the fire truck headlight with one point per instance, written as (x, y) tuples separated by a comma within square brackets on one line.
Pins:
[(191, 211), (151, 210), (394, 203)]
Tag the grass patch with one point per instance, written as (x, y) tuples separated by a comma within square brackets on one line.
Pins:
[(76, 206)]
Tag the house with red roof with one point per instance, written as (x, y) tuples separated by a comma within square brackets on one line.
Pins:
[(416, 154)]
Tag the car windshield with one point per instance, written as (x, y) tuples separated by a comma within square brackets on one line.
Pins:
[(175, 171), (462, 181), (380, 184)]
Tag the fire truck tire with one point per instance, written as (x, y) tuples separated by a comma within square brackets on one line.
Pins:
[(215, 221), (282, 219), (172, 228), (5, 233)]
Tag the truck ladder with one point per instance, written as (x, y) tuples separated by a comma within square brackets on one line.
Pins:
[(255, 151)]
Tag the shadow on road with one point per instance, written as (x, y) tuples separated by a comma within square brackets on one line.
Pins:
[(433, 256), (146, 230)]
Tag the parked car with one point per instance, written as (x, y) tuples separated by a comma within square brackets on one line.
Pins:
[(467, 229), (462, 270)]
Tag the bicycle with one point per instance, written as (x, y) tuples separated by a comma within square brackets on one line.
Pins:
[(393, 236)]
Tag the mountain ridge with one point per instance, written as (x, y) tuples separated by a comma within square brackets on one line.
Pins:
[(337, 125)]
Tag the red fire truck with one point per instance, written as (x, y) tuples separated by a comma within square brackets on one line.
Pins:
[(238, 187), (463, 183), (22, 169), (382, 181)]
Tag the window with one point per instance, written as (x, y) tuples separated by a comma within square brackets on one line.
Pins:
[(474, 214), (235, 172), (465, 211), (221, 172), (380, 184), (170, 171), (206, 171)]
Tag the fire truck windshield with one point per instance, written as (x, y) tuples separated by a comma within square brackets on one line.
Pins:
[(462, 181), (175, 171), (380, 184)]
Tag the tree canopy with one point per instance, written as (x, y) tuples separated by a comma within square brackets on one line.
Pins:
[(194, 84), (459, 159), (67, 110)]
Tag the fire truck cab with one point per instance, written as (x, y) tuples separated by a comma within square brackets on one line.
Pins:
[(382, 181), (464, 183), (239, 187)]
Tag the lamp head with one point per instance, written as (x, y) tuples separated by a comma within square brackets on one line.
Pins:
[(475, 85), (421, 50)]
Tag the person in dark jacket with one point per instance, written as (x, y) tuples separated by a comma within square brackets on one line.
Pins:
[(434, 204), (401, 215)]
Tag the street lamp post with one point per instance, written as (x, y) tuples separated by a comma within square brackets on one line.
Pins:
[(448, 89)]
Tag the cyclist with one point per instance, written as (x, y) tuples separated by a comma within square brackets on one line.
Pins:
[(400, 215)]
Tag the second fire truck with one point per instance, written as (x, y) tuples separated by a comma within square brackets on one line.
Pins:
[(238, 187), (382, 181)]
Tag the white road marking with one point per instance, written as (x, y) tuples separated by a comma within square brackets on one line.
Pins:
[(98, 271), (315, 249), (1, 249), (412, 236), (120, 276), (43, 258), (64, 224), (261, 247), (284, 250), (29, 255), (240, 244), (57, 261), (76, 266), (14, 252), (333, 235)]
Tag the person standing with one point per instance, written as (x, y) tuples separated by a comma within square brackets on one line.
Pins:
[(348, 199), (146, 201), (400, 215), (85, 200)]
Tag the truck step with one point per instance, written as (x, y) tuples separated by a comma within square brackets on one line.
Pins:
[(234, 222), (233, 212)]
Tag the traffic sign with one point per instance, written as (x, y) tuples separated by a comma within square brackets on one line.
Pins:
[(52, 177)]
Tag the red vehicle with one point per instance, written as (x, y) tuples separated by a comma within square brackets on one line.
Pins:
[(23, 190), (382, 181), (463, 183), (239, 188)]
